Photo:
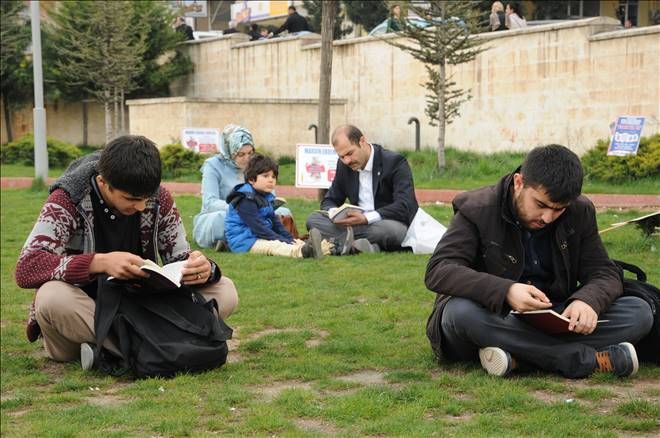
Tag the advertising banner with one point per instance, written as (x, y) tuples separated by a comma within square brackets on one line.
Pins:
[(627, 133), (201, 140), (192, 8), (316, 165)]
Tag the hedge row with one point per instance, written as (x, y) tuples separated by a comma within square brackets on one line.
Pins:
[(178, 161)]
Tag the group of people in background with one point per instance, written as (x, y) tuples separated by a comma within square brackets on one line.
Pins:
[(506, 19), (239, 210)]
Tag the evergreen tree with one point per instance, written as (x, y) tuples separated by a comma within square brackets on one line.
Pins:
[(99, 51), (15, 67), (445, 41), (110, 51), (367, 14), (314, 9)]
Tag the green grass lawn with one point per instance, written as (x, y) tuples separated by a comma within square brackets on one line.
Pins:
[(465, 171), (329, 347)]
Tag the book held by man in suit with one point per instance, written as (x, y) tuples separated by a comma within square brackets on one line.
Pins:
[(338, 213)]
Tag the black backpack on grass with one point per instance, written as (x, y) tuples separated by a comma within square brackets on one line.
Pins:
[(159, 334), (649, 347)]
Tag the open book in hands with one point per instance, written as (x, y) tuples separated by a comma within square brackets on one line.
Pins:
[(338, 213), (160, 277), (547, 320)]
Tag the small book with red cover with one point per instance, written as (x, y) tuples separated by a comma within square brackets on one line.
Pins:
[(547, 320)]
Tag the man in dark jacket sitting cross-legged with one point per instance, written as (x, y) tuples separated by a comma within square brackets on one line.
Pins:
[(528, 243)]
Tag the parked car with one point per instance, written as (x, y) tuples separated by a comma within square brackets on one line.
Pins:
[(416, 21)]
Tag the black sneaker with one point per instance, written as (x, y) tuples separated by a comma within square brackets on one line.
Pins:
[(86, 356), (342, 247), (620, 359), (496, 361), (312, 247)]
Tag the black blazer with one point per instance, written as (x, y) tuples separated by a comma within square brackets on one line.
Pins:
[(394, 191)]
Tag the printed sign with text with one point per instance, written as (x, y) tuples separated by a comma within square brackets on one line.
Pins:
[(316, 165), (201, 140), (627, 133)]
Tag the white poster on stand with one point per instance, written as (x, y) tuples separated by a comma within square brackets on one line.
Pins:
[(316, 165), (201, 140)]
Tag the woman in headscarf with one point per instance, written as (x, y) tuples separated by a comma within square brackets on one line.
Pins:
[(220, 174)]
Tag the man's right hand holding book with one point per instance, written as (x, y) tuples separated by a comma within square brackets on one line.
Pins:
[(118, 264), (353, 218), (525, 297)]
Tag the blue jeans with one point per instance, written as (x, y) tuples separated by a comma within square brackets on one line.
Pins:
[(467, 326)]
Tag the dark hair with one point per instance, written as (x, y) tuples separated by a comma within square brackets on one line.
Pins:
[(352, 133), (516, 7), (292, 8), (259, 164), (131, 163), (556, 169)]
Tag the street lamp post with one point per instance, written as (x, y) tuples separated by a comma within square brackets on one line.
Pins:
[(39, 113)]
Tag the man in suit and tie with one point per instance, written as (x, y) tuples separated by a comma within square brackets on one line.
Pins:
[(379, 181)]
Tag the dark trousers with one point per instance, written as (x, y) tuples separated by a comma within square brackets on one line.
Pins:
[(387, 233), (467, 326)]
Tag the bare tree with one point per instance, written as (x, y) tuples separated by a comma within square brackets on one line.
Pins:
[(325, 85), (442, 38)]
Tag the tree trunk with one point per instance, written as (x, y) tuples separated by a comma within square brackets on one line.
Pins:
[(122, 107), (442, 122), (108, 117), (85, 122), (328, 12), (5, 106), (115, 101), (441, 116)]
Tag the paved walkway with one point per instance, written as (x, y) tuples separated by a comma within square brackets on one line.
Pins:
[(423, 195)]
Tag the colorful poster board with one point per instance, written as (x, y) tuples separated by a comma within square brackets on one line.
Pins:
[(627, 133), (316, 165), (201, 140), (193, 8)]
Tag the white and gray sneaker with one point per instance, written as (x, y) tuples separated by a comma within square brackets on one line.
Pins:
[(496, 361), (86, 356)]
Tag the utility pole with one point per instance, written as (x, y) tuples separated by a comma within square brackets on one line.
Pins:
[(39, 112)]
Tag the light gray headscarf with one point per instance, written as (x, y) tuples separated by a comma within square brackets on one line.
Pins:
[(232, 139)]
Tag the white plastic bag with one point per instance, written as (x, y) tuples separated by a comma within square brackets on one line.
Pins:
[(424, 233)]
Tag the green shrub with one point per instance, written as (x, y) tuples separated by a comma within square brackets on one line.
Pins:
[(646, 164), (286, 159), (178, 160), (21, 151)]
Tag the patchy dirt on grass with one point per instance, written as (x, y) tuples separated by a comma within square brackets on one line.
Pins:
[(106, 400), (315, 425), (637, 389), (18, 413), (315, 341), (318, 339), (271, 392), (365, 377)]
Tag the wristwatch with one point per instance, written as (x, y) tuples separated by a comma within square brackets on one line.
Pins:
[(215, 275)]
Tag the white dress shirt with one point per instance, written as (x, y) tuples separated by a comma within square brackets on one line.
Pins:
[(366, 190)]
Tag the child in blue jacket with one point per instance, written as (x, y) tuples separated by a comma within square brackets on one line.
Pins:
[(251, 224)]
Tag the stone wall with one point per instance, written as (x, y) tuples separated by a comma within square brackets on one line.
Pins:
[(273, 122), (561, 83), (64, 121)]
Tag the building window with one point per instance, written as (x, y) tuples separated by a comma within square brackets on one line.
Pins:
[(582, 8), (628, 12)]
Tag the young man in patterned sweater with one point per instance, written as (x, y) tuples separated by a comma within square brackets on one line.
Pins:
[(105, 215)]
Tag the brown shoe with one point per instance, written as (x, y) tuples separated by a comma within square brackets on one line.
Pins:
[(32, 329)]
